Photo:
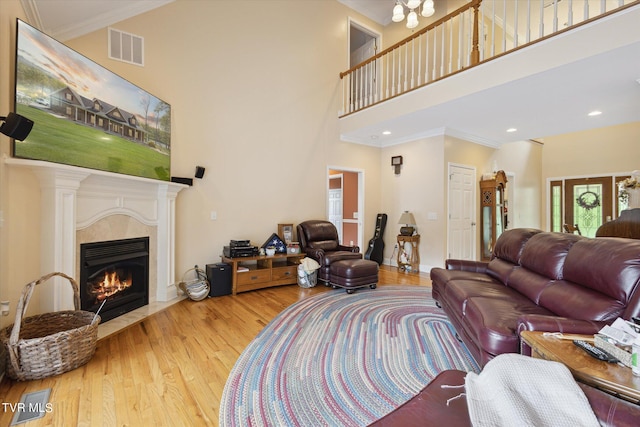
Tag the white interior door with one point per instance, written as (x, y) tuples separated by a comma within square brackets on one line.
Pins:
[(335, 209), (461, 224)]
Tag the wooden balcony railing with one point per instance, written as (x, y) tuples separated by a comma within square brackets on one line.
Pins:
[(477, 32)]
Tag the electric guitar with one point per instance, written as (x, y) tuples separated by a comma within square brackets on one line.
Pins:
[(376, 244)]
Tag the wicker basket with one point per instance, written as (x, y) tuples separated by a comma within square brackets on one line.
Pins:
[(195, 289), (51, 343)]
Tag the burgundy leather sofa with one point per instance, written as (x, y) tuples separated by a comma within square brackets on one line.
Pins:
[(538, 281), (430, 408)]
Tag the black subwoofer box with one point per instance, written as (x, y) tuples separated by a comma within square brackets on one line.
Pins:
[(219, 276)]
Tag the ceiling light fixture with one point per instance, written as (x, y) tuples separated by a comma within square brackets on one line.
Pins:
[(386, 132), (510, 130), (412, 5), (594, 113)]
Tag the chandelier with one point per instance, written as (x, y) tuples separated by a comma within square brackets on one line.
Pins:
[(412, 5)]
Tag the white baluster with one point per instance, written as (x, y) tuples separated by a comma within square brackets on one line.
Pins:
[(460, 31), (528, 21), (426, 58), (419, 71), (515, 26), (570, 14), (585, 11), (413, 62), (493, 30), (442, 49), (388, 74), (541, 31), (504, 26)]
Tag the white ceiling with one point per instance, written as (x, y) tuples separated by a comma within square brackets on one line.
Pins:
[(66, 19), (543, 104), (376, 10)]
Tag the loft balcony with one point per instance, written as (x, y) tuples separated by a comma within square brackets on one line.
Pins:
[(538, 66)]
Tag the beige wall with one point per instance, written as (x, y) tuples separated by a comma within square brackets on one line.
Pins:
[(19, 249), (523, 161), (250, 102), (419, 188), (613, 150)]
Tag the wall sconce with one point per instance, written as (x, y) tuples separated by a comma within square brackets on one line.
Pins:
[(16, 126), (409, 221), (199, 172), (396, 162)]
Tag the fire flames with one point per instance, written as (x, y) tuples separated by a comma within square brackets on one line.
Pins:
[(111, 284)]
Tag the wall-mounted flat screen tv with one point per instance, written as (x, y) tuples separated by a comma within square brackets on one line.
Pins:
[(85, 115)]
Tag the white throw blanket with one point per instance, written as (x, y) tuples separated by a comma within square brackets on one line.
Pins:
[(515, 390)]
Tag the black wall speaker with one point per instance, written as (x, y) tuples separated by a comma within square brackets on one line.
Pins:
[(179, 180), (199, 171), (16, 126)]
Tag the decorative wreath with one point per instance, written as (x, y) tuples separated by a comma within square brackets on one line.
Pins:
[(588, 200)]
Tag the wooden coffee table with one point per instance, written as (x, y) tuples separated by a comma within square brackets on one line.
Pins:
[(610, 377)]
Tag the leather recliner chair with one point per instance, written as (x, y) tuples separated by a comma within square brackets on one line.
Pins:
[(319, 240)]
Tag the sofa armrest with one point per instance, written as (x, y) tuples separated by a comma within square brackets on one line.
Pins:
[(466, 265), (354, 249), (540, 322), (317, 254)]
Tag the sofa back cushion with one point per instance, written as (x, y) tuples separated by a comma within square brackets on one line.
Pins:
[(528, 283), (545, 253), (511, 242), (600, 276), (507, 251), (575, 301), (541, 264), (608, 265)]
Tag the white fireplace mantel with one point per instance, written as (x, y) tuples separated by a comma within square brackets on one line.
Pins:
[(76, 198)]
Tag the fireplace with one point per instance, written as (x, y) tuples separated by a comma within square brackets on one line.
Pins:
[(114, 276)]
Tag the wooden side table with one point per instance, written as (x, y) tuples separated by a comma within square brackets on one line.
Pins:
[(609, 377), (413, 262)]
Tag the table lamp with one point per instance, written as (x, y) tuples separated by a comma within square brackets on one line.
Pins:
[(409, 221)]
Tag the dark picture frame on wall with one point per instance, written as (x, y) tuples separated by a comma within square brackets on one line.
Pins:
[(84, 114)]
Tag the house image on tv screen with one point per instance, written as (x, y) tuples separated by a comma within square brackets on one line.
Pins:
[(97, 113)]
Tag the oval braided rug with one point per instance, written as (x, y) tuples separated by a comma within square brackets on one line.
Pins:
[(342, 360)]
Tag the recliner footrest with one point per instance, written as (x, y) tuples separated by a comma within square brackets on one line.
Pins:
[(354, 273)]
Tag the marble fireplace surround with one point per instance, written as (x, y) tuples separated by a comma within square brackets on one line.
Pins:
[(89, 205)]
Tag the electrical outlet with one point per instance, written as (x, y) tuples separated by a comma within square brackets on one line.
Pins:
[(4, 308)]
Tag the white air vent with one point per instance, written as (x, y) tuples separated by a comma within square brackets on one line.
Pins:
[(126, 47)]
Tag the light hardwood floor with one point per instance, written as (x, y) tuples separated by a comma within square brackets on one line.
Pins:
[(169, 369)]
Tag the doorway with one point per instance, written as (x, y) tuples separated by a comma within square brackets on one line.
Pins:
[(345, 204), (587, 202), (364, 43), (461, 229)]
